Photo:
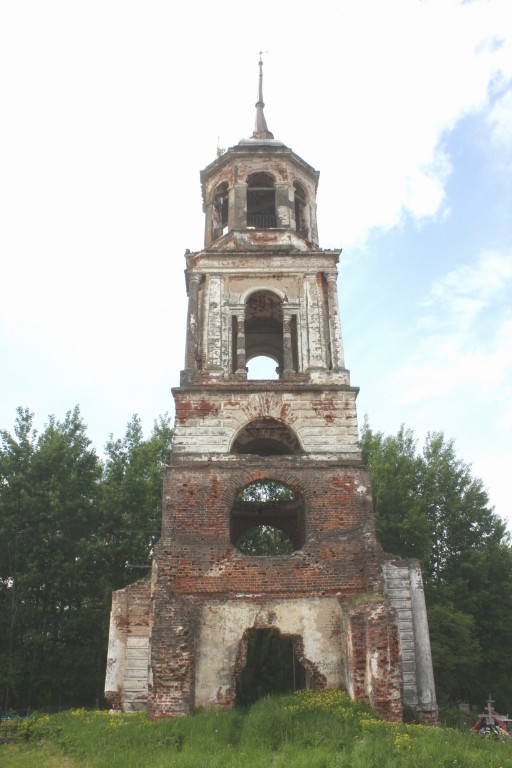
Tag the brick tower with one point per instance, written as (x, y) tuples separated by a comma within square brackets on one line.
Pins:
[(263, 287)]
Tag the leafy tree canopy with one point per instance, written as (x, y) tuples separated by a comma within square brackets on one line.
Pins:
[(70, 527), (428, 505)]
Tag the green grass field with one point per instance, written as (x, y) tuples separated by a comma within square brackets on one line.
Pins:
[(305, 730)]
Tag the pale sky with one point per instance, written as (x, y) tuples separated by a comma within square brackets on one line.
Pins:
[(109, 111)]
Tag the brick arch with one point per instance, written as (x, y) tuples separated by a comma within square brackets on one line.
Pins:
[(258, 172), (263, 287), (272, 406), (266, 436)]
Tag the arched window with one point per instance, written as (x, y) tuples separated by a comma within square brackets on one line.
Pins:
[(261, 201), (220, 210), (267, 519), (264, 327), (301, 224), (266, 437)]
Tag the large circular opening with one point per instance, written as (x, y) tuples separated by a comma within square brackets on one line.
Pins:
[(267, 519)]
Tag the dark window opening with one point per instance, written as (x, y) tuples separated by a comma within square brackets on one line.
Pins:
[(300, 210), (264, 327), (266, 437), (220, 210), (261, 201), (272, 667), (267, 519)]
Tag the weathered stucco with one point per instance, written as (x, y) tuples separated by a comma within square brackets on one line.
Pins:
[(127, 678), (317, 622)]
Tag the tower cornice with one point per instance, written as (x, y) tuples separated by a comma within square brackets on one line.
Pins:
[(257, 149)]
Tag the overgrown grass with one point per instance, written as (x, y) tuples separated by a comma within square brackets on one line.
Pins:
[(307, 730)]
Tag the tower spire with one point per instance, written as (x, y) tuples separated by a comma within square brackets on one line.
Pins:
[(260, 128)]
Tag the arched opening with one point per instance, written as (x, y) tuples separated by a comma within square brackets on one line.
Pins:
[(266, 437), (271, 666), (264, 327), (220, 210), (262, 367), (267, 519), (301, 224), (261, 201)]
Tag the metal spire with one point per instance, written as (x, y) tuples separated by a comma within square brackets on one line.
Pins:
[(260, 128)]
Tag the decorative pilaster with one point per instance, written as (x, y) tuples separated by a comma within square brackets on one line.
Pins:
[(208, 224), (237, 216), (287, 346), (191, 353), (313, 235), (214, 324), (315, 347), (337, 356), (283, 206), (241, 370)]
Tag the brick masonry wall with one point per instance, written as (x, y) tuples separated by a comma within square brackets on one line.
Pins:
[(198, 569), (340, 557), (374, 655)]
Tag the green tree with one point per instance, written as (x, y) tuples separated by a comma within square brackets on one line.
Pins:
[(429, 505), (264, 540), (396, 472), (131, 500), (15, 460), (49, 520), (455, 653), (70, 530), (265, 491)]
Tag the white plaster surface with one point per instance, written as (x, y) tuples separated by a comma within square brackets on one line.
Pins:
[(317, 621)]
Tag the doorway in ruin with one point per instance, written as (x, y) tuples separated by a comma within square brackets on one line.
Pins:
[(272, 667)]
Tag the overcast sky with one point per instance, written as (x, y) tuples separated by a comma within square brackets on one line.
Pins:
[(110, 109)]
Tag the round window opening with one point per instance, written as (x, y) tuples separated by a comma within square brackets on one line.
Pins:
[(267, 519)]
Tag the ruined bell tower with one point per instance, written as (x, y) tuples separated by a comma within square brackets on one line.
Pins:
[(263, 288)]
